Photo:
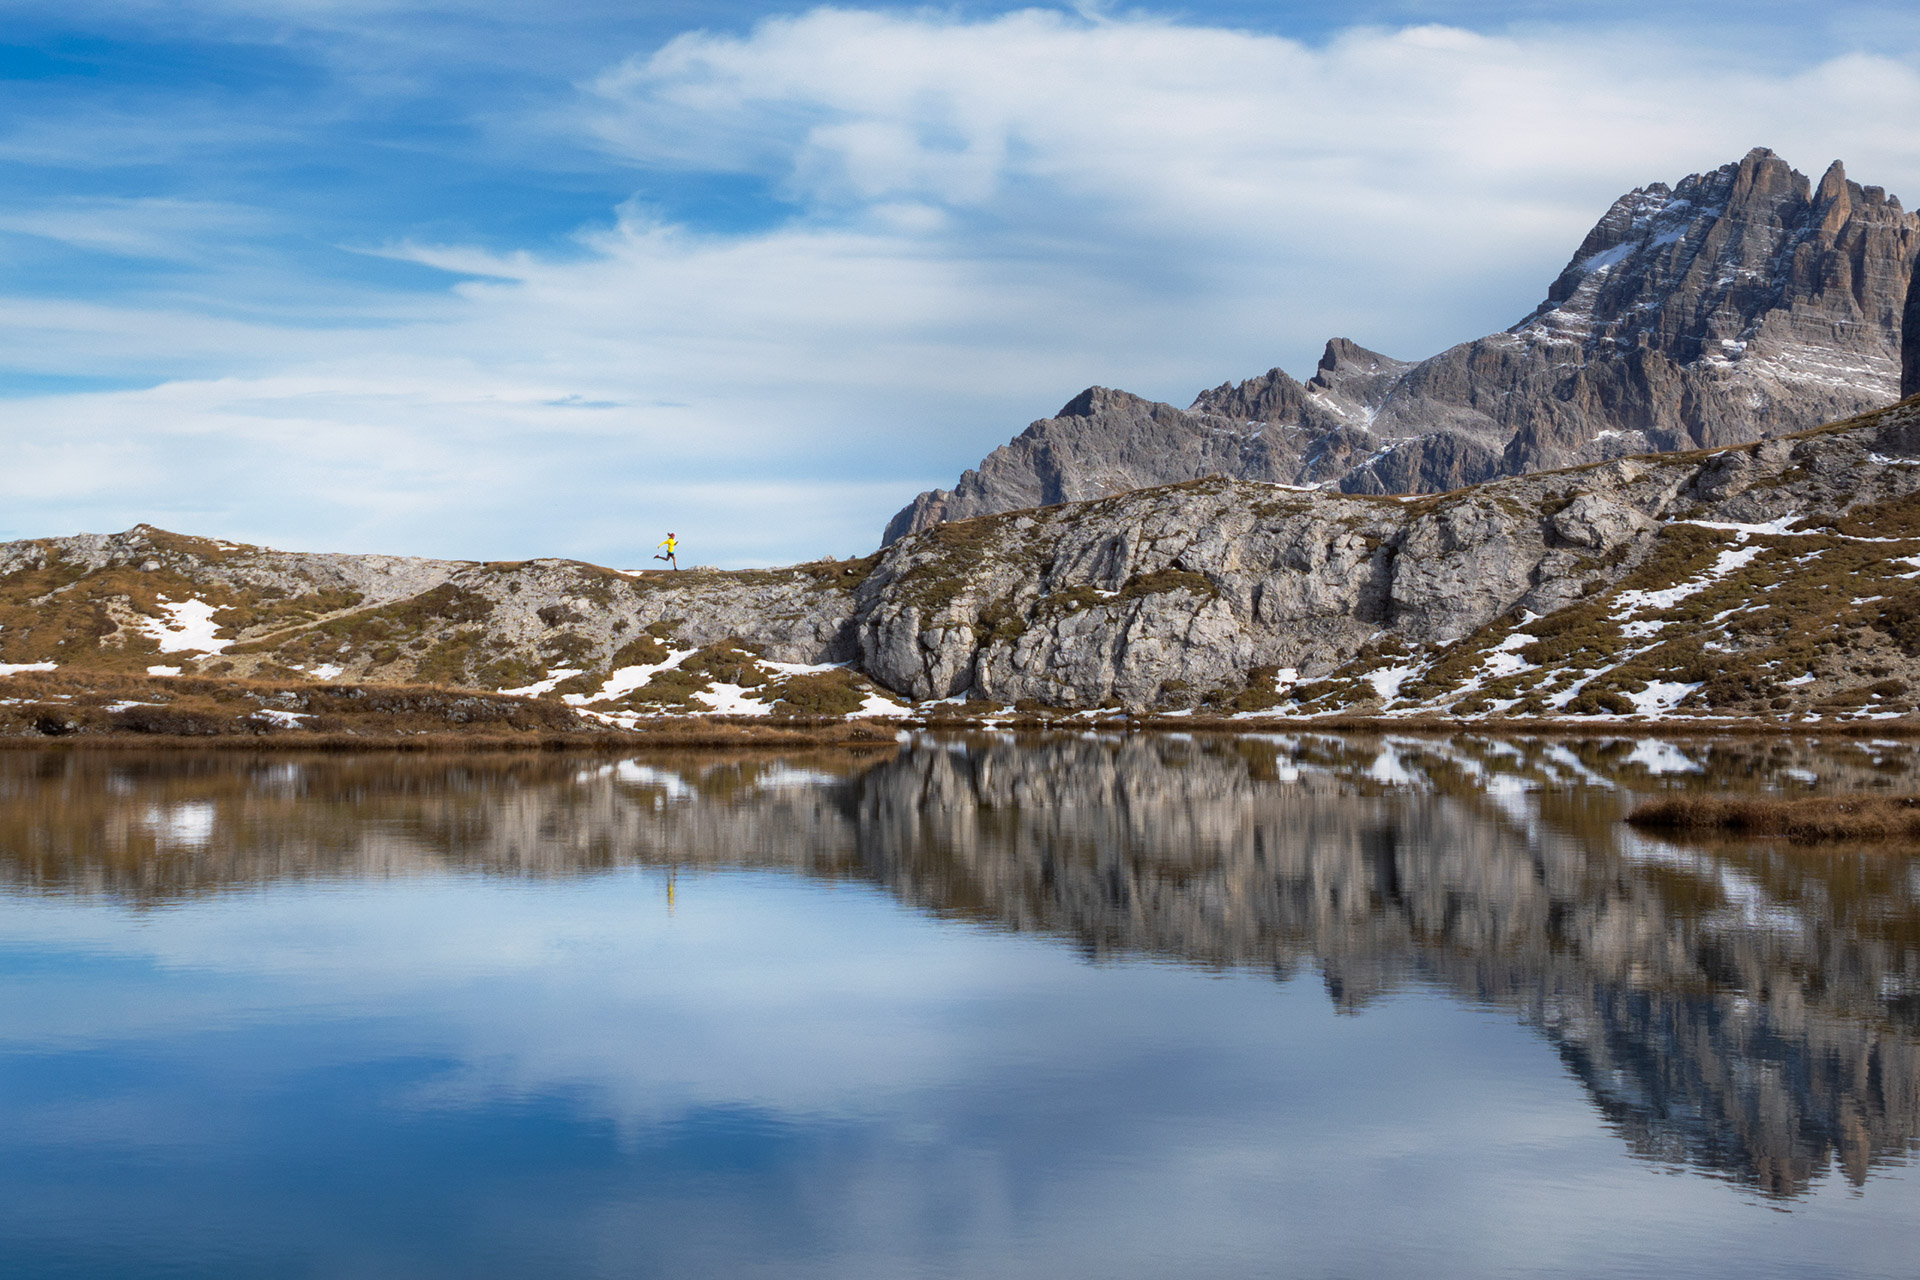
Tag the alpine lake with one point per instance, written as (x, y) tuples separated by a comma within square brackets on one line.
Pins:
[(1104, 1005)]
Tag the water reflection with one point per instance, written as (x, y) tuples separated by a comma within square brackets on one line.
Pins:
[(1750, 1010)]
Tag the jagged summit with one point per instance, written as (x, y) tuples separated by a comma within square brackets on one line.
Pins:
[(1742, 302), (1696, 272), (1347, 382)]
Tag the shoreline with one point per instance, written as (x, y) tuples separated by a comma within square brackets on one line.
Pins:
[(113, 710), (721, 733)]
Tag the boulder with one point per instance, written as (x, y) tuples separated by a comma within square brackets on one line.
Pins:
[(1598, 523)]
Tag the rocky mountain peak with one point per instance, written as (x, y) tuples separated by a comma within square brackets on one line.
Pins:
[(1693, 272), (1353, 380), (1762, 177), (1737, 303), (1831, 197), (1272, 397), (1344, 357), (1098, 400)]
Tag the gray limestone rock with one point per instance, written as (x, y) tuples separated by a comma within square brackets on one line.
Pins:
[(1156, 596), (1739, 303), (1104, 442), (1599, 524)]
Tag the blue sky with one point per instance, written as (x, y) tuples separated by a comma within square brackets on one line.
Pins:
[(485, 281)]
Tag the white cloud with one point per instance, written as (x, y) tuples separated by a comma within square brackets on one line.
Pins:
[(149, 228), (986, 216), (1177, 125)]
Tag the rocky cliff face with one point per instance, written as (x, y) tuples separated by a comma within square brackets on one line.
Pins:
[(1739, 303), (1910, 340)]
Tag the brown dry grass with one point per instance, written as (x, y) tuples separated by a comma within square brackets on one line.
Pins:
[(39, 709), (1806, 819), (667, 735), (821, 694)]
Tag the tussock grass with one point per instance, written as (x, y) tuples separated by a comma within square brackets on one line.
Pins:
[(843, 575), (89, 710), (642, 651), (1807, 819), (674, 735), (822, 694), (91, 706), (1162, 580)]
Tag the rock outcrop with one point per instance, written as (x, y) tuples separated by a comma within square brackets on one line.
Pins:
[(1736, 304), (1697, 574)]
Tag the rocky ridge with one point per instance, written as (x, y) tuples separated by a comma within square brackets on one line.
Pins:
[(1772, 579), (1739, 303)]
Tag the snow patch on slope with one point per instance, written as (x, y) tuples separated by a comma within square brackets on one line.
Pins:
[(554, 676), (1728, 561), (625, 680), (188, 627)]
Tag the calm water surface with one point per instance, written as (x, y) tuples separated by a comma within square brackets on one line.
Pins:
[(1060, 1007)]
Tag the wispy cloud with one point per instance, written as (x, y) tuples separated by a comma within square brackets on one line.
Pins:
[(159, 228)]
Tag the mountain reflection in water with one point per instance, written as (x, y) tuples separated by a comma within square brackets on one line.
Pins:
[(1748, 1010)]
